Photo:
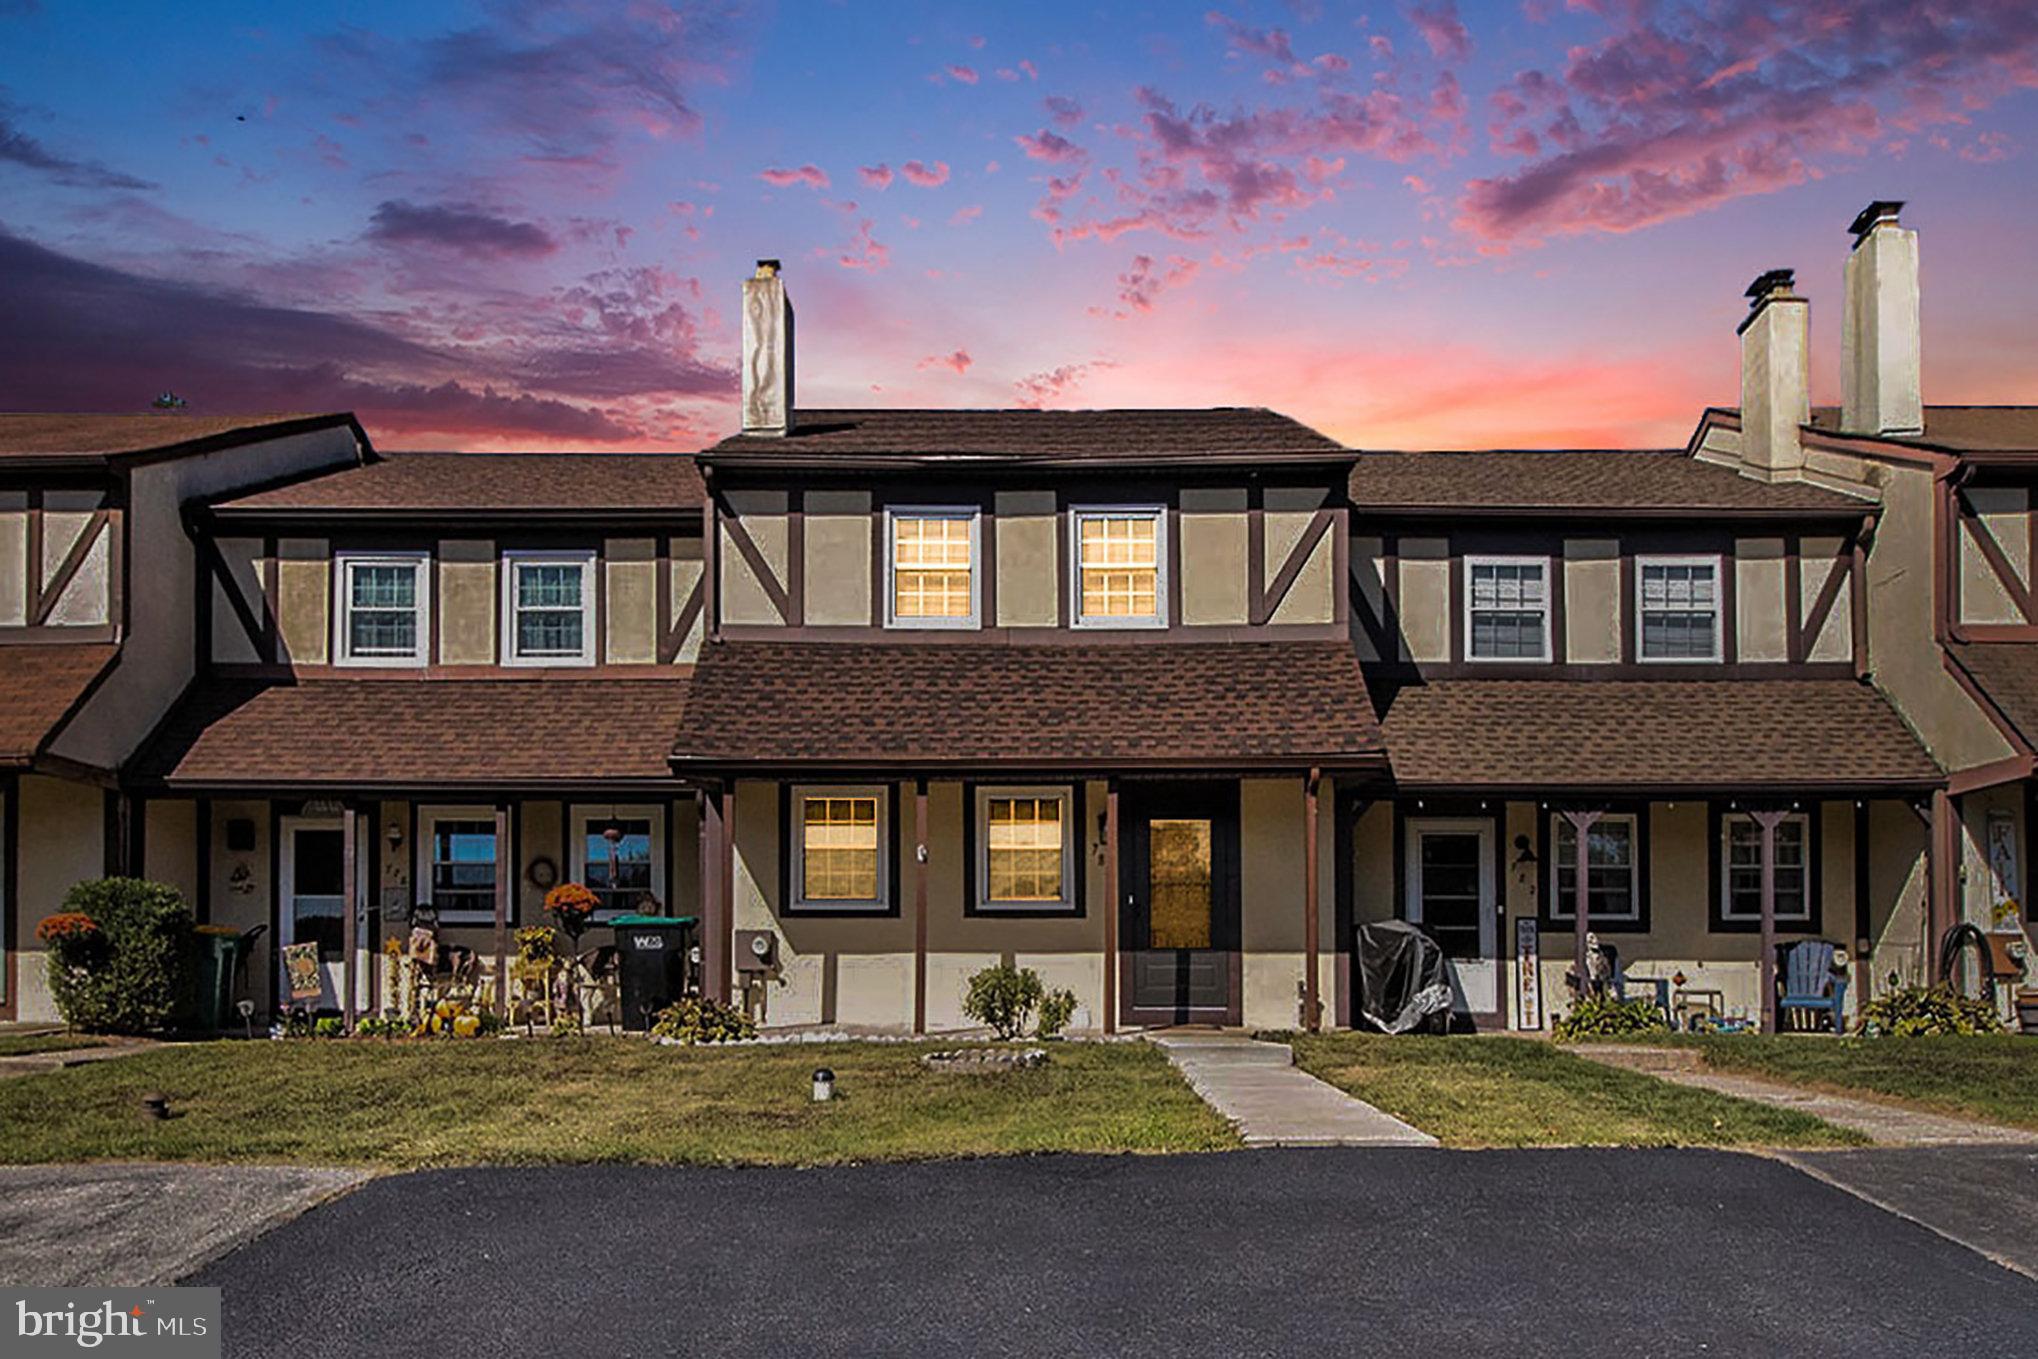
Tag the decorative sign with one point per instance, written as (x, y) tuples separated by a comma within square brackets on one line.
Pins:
[(2006, 892), (301, 969), (1528, 974)]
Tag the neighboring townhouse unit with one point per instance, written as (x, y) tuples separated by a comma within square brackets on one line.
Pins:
[(97, 576)]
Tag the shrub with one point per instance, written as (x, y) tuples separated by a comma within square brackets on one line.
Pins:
[(1004, 998), (1057, 1008), (1603, 1017), (696, 1019), (132, 971), (388, 1024), (1919, 1011), (329, 1026)]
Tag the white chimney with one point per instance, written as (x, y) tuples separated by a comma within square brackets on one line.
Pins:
[(1881, 382), (1776, 394), (767, 352)]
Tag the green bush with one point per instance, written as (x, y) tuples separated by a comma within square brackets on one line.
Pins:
[(140, 973), (1920, 1011), (698, 1019), (329, 1026), (1004, 998), (1057, 1008), (1604, 1017)]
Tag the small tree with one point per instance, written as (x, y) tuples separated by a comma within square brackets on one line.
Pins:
[(1004, 998), (131, 971)]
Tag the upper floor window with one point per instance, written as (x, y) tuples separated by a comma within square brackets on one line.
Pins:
[(548, 608), (930, 568), (1678, 608), (384, 609), (1507, 608), (1119, 578), (1741, 870)]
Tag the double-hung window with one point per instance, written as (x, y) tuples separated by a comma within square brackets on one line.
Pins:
[(1741, 870), (458, 852), (1677, 608), (1120, 576), (384, 609), (1507, 608), (1612, 871), (1025, 849), (548, 608), (839, 841), (618, 853), (931, 568)]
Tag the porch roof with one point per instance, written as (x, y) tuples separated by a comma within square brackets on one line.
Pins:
[(1104, 705), (40, 687), (416, 731), (1645, 735), (2007, 673)]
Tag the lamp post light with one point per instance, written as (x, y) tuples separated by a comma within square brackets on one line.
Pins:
[(824, 1085)]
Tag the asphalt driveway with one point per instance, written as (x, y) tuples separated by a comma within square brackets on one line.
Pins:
[(1272, 1253)]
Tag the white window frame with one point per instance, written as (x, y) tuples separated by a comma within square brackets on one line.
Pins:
[(1063, 793), (796, 839), (1159, 515), (972, 513), (1564, 905), (343, 604), (583, 558), (579, 814), (1719, 606), (1549, 605), (428, 819), (1807, 916)]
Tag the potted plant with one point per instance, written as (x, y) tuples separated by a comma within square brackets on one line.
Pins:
[(573, 905)]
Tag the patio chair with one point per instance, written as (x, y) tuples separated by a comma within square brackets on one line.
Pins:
[(1807, 983), (1659, 987)]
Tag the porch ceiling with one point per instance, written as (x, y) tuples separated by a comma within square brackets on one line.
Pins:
[(1597, 735), (41, 686), (1125, 706)]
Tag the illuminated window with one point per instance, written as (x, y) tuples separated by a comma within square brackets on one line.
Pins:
[(1119, 580), (1025, 861), (932, 568), (841, 859)]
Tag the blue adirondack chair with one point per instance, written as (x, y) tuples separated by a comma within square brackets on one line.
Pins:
[(1807, 984)]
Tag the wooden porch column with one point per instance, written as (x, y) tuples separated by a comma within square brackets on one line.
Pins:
[(1111, 896), (350, 888), (1943, 881), (505, 873), (1766, 969), (1312, 1006), (725, 925), (709, 904), (1581, 910), (920, 906)]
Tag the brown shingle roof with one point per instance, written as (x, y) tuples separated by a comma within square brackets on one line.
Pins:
[(435, 483), (1960, 429), (971, 704), (1650, 734), (1224, 433), (413, 730), (1577, 480), (2008, 673), (40, 686), (105, 438)]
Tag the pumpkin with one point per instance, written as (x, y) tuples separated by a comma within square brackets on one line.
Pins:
[(466, 1026)]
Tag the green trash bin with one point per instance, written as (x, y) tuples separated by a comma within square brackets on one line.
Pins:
[(220, 951), (652, 953)]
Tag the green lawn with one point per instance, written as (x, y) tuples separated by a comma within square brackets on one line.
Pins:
[(25, 1044), (595, 1100), (1992, 1077), (1520, 1092)]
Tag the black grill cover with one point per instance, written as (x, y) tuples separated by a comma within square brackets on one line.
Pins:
[(1402, 987)]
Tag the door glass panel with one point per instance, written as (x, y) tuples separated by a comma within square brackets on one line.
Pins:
[(318, 888), (1450, 891), (1181, 903)]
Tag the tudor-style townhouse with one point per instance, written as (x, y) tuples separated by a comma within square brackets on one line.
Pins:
[(1163, 704)]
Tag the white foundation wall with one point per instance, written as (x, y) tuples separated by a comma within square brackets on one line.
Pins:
[(61, 839)]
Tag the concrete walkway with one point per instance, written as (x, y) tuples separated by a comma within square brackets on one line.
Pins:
[(1258, 1087), (34, 1063), (1888, 1125)]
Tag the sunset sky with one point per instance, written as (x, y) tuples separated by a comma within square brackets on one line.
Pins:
[(1435, 224)]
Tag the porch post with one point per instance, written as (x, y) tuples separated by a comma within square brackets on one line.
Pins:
[(1111, 894), (1943, 883), (1766, 969), (504, 872), (920, 905), (725, 925), (350, 888), (714, 970), (1581, 910), (1312, 1008)]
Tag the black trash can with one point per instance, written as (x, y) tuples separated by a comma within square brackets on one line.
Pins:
[(651, 953)]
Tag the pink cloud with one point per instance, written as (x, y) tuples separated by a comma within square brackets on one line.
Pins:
[(877, 176), (1049, 145), (1269, 43), (1442, 29), (1038, 390), (925, 176), (1146, 280), (1063, 110), (959, 361), (813, 176), (964, 216), (1032, 72), (865, 251), (966, 74)]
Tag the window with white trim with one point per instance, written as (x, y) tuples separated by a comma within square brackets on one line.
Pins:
[(1741, 869), (1025, 849), (1507, 608), (1677, 608), (839, 843), (457, 861), (618, 853), (384, 609), (1119, 575), (548, 608), (931, 576), (1613, 870)]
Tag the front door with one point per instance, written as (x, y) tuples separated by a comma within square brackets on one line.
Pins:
[(312, 899), (1450, 893), (1178, 871)]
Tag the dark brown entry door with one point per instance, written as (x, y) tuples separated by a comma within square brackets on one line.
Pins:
[(1178, 871)]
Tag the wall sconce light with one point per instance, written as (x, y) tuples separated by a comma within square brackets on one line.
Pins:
[(393, 837), (1524, 853)]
